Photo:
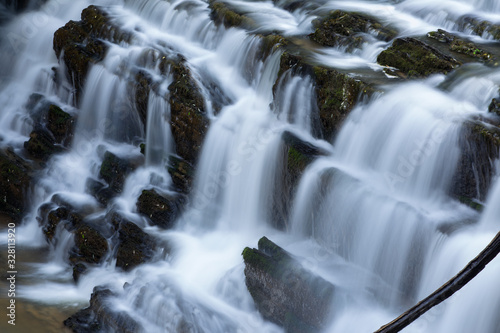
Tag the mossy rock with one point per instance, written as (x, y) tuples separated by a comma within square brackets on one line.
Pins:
[(90, 246), (188, 120), (415, 59), (461, 46), (162, 210), (222, 14), (135, 246), (479, 27), (60, 124), (15, 179), (345, 29), (480, 147), (283, 291), (182, 173), (271, 43)]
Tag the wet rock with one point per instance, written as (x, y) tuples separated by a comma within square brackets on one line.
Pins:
[(182, 173), (479, 27), (460, 45), (142, 86), (188, 120), (162, 210), (336, 93), (54, 217), (223, 13), (480, 146), (114, 170), (415, 59), (82, 43), (41, 144), (494, 106), (283, 291), (102, 192), (135, 246), (99, 317), (344, 29), (78, 270), (15, 179), (90, 246)]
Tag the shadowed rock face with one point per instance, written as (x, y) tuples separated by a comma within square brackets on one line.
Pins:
[(283, 291), (135, 246), (413, 59), (162, 210)]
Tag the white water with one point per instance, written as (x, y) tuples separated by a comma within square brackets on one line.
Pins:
[(368, 217)]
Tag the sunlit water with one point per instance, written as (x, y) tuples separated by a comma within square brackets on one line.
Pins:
[(368, 217)]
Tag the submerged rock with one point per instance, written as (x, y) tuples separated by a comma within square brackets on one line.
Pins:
[(162, 210), (344, 29), (480, 147), (15, 179), (284, 292), (414, 59)]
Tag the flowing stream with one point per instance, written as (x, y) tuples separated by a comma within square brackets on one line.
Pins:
[(371, 216)]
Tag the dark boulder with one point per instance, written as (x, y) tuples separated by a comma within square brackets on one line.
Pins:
[(15, 179), (344, 29), (162, 210), (114, 171), (415, 59), (135, 246), (284, 292), (494, 106), (90, 246), (42, 144), (102, 192), (480, 146), (479, 27), (54, 217), (182, 173), (99, 317)]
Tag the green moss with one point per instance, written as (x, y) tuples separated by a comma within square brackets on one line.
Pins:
[(271, 43), (222, 14), (471, 203)]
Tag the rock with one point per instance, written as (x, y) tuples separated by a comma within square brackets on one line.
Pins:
[(284, 292), (344, 29), (415, 59), (78, 270), (82, 43), (162, 210), (99, 317), (102, 192), (480, 146), (41, 144), (90, 246), (15, 179), (135, 246), (222, 13), (182, 173), (494, 106), (188, 120), (53, 219), (114, 171), (460, 45), (479, 27), (336, 93), (142, 86)]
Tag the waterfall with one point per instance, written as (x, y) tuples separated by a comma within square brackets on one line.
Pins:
[(217, 122)]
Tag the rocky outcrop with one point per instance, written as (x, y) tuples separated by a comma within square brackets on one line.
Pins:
[(480, 146), (283, 291), (15, 179), (162, 210), (344, 29), (99, 317), (81, 43), (415, 59)]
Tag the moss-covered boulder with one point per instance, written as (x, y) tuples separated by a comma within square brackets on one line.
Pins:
[(135, 246), (15, 179), (90, 246), (100, 317), (188, 120), (345, 29), (223, 14), (462, 46), (284, 292), (480, 146), (162, 210), (415, 59), (81, 43)]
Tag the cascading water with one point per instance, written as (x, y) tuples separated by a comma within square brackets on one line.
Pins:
[(373, 214)]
